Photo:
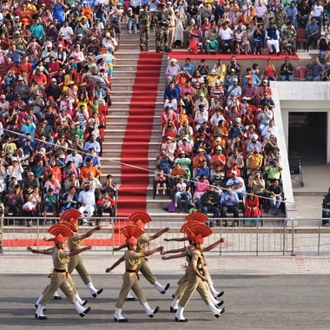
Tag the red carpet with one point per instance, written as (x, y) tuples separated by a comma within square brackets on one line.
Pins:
[(183, 54), (134, 181)]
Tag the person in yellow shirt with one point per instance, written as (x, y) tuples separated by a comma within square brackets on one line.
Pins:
[(211, 79), (255, 160)]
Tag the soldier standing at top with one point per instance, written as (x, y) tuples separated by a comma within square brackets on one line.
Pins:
[(162, 22), (145, 20)]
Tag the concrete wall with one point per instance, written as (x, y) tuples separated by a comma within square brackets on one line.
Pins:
[(297, 97)]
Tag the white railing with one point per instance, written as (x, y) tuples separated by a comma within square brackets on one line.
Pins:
[(274, 236)]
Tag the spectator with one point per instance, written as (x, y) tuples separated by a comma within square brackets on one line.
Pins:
[(286, 70), (87, 200), (15, 202), (315, 70), (172, 70), (273, 170), (70, 199), (50, 203), (229, 203), (210, 204), (106, 204), (89, 169), (312, 30), (163, 162), (237, 184), (252, 210), (274, 192), (182, 192)]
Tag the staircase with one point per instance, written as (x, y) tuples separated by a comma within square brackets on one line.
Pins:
[(121, 93)]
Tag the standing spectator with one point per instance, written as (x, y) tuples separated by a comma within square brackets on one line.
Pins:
[(312, 31)]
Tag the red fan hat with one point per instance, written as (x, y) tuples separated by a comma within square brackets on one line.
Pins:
[(60, 238), (71, 215), (132, 232), (139, 218), (60, 229), (70, 225), (197, 216), (198, 229)]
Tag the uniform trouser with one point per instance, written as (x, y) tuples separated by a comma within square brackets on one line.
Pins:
[(130, 282), (161, 36), (195, 283), (73, 286), (146, 271), (77, 263), (59, 281), (183, 283), (144, 35), (208, 276), (170, 37)]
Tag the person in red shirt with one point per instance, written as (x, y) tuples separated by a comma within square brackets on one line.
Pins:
[(218, 158), (40, 77), (106, 204)]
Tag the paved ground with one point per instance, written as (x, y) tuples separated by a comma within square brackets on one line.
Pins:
[(252, 302)]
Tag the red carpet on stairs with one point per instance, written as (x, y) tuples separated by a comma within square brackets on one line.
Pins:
[(134, 180)]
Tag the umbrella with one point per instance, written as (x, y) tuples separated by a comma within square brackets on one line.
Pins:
[(106, 57), (97, 79)]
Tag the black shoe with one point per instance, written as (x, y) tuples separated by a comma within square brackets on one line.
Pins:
[(154, 312), (147, 49), (157, 49), (98, 292), (173, 296), (40, 317), (181, 320), (218, 224), (166, 288), (172, 310), (220, 294), (57, 297), (210, 224), (220, 303), (86, 311), (226, 224), (130, 299), (84, 302), (120, 320)]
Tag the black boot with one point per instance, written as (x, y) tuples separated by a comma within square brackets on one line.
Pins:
[(147, 48), (141, 48), (167, 50), (157, 49)]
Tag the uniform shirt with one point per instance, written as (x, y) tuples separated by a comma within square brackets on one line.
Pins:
[(60, 258), (142, 244), (74, 242), (132, 260)]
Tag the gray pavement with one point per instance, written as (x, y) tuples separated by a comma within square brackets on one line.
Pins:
[(252, 302)]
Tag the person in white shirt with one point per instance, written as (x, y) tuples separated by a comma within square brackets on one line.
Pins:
[(216, 117), (87, 200), (15, 169), (75, 158), (317, 12), (201, 116), (238, 184), (226, 37), (109, 43), (66, 30), (172, 70), (260, 9), (172, 103)]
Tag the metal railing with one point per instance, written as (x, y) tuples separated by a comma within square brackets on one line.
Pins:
[(270, 236)]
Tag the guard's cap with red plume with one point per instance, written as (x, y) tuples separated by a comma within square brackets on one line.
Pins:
[(70, 225), (132, 232), (140, 218), (59, 238), (197, 216), (60, 229), (71, 215), (198, 229)]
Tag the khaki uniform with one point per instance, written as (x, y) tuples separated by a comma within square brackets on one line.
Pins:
[(194, 282), (183, 282), (76, 261), (59, 277), (131, 279), (142, 244)]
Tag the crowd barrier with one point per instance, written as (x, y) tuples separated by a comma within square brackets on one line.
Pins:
[(272, 236)]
